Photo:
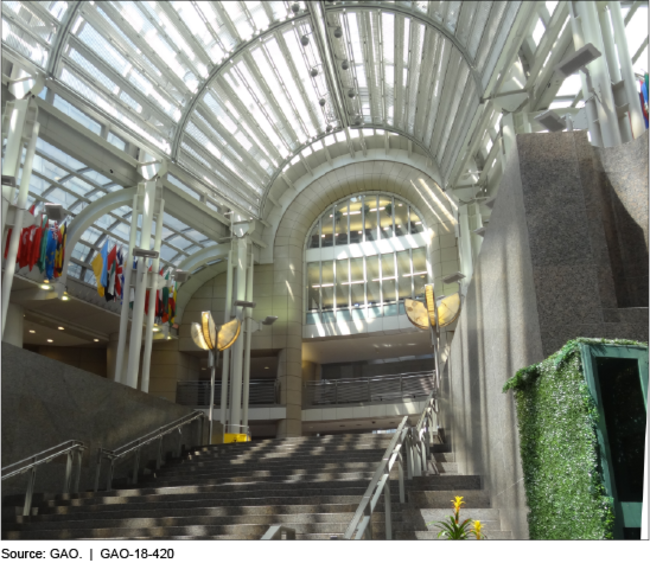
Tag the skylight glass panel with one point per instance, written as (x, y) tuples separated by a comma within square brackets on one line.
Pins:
[(116, 141), (211, 14), (482, 13), (636, 31), (103, 48), (193, 21), (452, 15), (180, 242), (189, 191), (570, 86), (257, 12), (550, 6), (16, 38), (538, 32), (238, 19)]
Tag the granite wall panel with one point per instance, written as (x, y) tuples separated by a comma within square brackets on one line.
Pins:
[(46, 402)]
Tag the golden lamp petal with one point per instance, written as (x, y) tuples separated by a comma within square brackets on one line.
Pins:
[(449, 309), (197, 336), (430, 299), (417, 313), (209, 329), (228, 333)]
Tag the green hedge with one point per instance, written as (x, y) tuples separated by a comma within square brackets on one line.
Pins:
[(559, 448)]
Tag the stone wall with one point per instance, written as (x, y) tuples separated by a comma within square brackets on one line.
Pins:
[(543, 277), (46, 402)]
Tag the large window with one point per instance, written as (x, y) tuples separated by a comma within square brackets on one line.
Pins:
[(359, 282)]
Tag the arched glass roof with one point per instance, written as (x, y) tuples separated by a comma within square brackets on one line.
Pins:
[(238, 88)]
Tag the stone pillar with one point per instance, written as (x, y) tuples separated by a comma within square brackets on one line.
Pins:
[(13, 333)]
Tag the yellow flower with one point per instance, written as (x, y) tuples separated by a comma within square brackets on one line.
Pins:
[(476, 529), (457, 503)]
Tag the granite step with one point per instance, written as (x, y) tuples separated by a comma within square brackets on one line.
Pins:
[(162, 520), (444, 482), (442, 499), (239, 531), (433, 535)]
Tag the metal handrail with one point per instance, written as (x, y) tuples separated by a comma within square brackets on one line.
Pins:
[(417, 452), (137, 445), (377, 388), (73, 449)]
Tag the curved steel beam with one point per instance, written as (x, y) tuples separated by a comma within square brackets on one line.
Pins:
[(390, 128), (87, 218), (189, 108), (61, 37), (204, 256)]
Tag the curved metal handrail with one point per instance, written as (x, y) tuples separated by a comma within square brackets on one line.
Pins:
[(71, 448), (137, 445), (418, 457)]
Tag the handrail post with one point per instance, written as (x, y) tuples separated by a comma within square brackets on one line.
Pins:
[(136, 465), (99, 468), (423, 457), (109, 477), (400, 470), (68, 472), (180, 442), (75, 485), (336, 392), (369, 392), (159, 452), (387, 510), (401, 386), (30, 491)]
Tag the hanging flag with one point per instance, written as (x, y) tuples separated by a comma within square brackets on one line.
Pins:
[(119, 275), (35, 253), (165, 299), (172, 305), (43, 250), (98, 267), (60, 251), (109, 293), (104, 274), (131, 290), (50, 250)]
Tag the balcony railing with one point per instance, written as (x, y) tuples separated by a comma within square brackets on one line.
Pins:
[(197, 393), (381, 388)]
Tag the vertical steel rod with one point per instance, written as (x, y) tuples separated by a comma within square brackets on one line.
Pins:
[(387, 510)]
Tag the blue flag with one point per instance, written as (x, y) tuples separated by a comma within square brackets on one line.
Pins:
[(104, 253)]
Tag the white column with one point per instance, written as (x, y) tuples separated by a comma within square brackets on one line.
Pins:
[(247, 346), (10, 264), (627, 73), (141, 286), (14, 330), (148, 334), (225, 370), (600, 75), (612, 65), (238, 346), (120, 367), (11, 160), (590, 102)]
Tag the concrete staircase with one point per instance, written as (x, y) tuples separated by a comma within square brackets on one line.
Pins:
[(236, 491), (430, 500)]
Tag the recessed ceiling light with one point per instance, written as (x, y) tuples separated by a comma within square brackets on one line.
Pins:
[(61, 328), (45, 286), (95, 339), (65, 298), (266, 367), (50, 340), (32, 331)]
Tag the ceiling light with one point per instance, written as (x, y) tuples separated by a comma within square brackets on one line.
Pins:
[(45, 286), (50, 340), (95, 339), (338, 32), (345, 65), (65, 298), (156, 329), (313, 72), (32, 332), (295, 7), (61, 328), (577, 60), (266, 367), (322, 102), (304, 40)]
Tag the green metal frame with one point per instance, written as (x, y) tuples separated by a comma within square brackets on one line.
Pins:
[(627, 514)]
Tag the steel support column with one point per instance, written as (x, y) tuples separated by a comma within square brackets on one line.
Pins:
[(23, 191), (120, 374), (141, 285), (627, 73), (225, 370), (247, 346), (238, 347), (148, 335)]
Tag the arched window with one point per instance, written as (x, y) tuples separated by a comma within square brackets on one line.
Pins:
[(364, 256)]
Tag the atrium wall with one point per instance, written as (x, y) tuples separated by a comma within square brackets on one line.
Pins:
[(543, 277)]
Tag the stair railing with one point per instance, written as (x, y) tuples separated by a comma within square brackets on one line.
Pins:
[(275, 533), (415, 443), (135, 446), (73, 449)]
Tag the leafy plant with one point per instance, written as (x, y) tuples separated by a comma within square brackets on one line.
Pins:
[(454, 529)]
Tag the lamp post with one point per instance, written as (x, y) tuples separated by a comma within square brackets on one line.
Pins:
[(207, 337)]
